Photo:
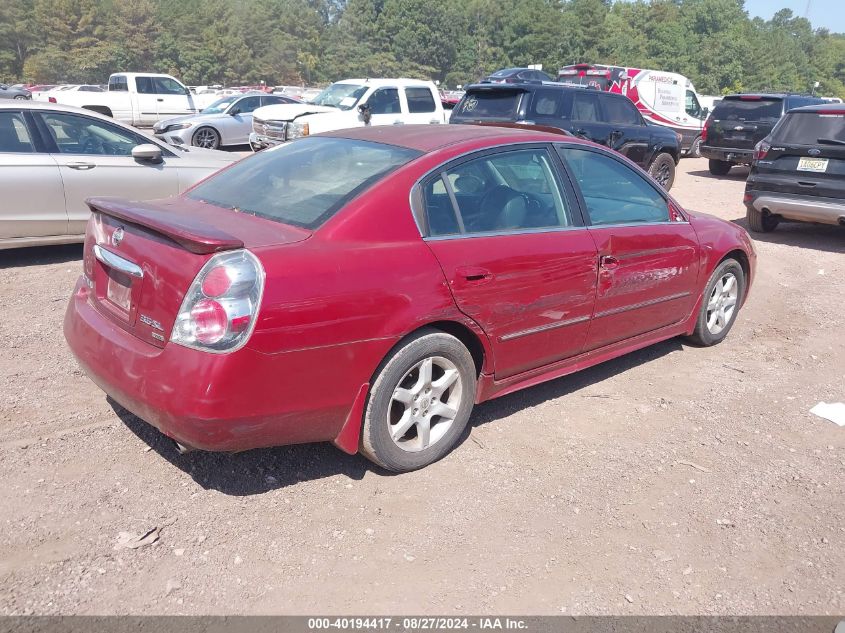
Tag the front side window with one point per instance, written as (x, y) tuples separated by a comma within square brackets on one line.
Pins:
[(247, 105), (14, 135), (613, 192), (385, 101), (167, 86), (693, 107), (420, 100), (303, 183), (144, 85), (621, 111), (75, 134), (509, 191)]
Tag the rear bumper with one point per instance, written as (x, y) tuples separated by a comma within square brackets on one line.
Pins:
[(219, 402), (728, 154), (800, 208)]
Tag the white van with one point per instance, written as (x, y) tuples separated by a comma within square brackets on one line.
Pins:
[(663, 98)]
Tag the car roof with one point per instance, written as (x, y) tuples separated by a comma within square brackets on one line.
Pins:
[(56, 107), (827, 108), (427, 138), (378, 81), (768, 95)]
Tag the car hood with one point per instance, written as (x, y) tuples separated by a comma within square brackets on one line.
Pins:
[(193, 118), (204, 157), (290, 111)]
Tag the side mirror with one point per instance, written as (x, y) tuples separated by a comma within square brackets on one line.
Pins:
[(147, 153), (234, 111), (705, 112), (366, 113)]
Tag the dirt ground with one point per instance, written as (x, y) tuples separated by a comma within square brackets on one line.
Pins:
[(675, 480)]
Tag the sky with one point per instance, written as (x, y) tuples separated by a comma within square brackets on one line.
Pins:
[(829, 14)]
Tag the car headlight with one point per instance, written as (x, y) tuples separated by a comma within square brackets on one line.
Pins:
[(177, 126), (296, 130)]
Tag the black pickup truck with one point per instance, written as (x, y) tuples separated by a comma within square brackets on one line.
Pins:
[(609, 119)]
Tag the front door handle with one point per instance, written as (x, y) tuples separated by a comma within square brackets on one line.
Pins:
[(608, 262), (81, 166), (473, 273), (159, 100)]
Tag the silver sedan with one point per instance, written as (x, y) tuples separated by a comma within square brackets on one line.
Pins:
[(226, 122), (53, 157), (11, 92)]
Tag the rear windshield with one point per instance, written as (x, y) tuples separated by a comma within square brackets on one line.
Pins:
[(489, 104), (305, 182), (810, 128), (751, 110)]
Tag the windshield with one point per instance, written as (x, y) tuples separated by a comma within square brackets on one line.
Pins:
[(748, 110), (806, 128), (305, 182), (489, 104), (343, 96), (220, 105)]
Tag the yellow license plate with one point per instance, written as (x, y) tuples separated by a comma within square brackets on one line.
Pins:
[(813, 164)]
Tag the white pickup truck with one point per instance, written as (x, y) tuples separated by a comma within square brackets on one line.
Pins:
[(138, 99), (349, 103)]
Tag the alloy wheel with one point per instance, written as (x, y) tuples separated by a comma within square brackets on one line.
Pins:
[(207, 138), (722, 303)]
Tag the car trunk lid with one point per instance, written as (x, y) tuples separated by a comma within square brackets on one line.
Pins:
[(140, 258)]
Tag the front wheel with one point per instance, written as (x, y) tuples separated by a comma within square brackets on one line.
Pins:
[(206, 137), (419, 403), (719, 304), (662, 169), (719, 167)]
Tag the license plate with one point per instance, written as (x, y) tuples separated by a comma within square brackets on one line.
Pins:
[(813, 164), (118, 293)]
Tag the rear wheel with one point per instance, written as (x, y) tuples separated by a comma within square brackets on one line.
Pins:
[(21, 97), (695, 149), (761, 222), (720, 303), (419, 403), (719, 167), (206, 137), (662, 169)]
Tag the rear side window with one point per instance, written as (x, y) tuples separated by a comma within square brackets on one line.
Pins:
[(490, 104), (420, 100), (748, 110), (303, 183), (621, 111), (548, 103), (797, 102), (810, 128), (14, 135), (585, 107), (614, 193)]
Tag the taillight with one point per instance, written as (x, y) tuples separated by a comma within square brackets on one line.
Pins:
[(761, 150), (52, 99), (219, 311), (704, 131)]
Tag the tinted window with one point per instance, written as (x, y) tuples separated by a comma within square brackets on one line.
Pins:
[(614, 193), (76, 134), (384, 101), (806, 128), (144, 85), (167, 86), (14, 136), (118, 83), (275, 100), (249, 104), (489, 104), (420, 100), (585, 107), (548, 103), (621, 111), (748, 110), (502, 192), (797, 102), (303, 183)]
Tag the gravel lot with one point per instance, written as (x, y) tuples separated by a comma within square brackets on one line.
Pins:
[(674, 480)]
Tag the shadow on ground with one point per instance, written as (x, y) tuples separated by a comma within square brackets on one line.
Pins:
[(736, 173), (40, 255), (817, 237), (262, 470)]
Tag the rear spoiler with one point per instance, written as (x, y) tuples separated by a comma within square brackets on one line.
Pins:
[(186, 230)]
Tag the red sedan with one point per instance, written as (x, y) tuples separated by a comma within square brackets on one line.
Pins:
[(369, 286)]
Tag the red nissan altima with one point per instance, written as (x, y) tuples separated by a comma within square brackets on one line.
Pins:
[(367, 287)]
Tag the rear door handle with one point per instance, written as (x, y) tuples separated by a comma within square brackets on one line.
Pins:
[(804, 183), (159, 99), (81, 166), (473, 273), (608, 262)]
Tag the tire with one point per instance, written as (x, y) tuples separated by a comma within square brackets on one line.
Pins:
[(403, 374), (760, 222), (695, 149), (206, 137), (711, 329), (21, 97), (662, 169), (719, 167)]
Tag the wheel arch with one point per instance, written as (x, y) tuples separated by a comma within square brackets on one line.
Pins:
[(210, 127), (742, 257)]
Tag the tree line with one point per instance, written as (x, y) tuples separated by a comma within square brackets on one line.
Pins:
[(713, 42)]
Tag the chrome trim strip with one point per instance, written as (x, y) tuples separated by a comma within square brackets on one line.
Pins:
[(642, 304), (117, 262), (543, 328), (529, 231)]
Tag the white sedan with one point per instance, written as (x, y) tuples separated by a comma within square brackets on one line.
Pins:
[(53, 157)]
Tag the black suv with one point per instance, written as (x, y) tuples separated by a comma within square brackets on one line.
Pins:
[(603, 117), (739, 122), (798, 171)]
